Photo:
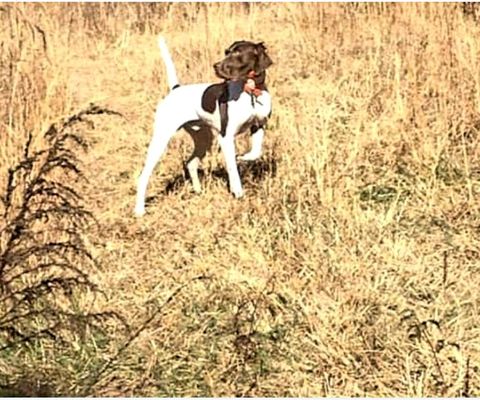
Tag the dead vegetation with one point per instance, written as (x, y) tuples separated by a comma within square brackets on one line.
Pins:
[(351, 267)]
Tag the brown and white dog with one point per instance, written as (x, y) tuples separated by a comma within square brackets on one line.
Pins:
[(239, 103)]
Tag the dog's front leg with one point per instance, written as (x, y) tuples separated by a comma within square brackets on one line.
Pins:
[(227, 144), (256, 148)]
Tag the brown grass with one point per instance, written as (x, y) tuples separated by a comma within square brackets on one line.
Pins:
[(350, 268)]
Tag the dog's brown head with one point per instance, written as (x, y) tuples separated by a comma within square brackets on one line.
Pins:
[(241, 58)]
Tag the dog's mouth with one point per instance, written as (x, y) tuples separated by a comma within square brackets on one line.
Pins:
[(218, 70)]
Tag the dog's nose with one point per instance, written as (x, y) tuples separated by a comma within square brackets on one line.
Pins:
[(217, 67)]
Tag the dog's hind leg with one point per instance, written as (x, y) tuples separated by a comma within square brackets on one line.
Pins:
[(202, 136), (164, 129)]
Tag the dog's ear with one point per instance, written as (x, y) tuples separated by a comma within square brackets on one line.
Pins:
[(263, 60)]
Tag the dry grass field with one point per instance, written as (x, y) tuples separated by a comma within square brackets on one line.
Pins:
[(351, 266)]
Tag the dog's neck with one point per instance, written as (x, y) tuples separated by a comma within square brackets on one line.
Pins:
[(254, 83)]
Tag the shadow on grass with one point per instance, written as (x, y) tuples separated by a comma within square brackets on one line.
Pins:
[(28, 387), (252, 174)]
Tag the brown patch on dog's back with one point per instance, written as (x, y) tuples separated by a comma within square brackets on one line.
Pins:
[(214, 93)]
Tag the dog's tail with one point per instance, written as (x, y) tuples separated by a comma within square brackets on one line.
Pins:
[(167, 59)]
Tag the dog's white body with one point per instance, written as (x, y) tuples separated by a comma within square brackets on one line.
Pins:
[(183, 106)]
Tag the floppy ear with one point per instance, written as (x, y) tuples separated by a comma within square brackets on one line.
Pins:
[(263, 60)]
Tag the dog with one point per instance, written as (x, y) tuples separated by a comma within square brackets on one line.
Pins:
[(239, 103)]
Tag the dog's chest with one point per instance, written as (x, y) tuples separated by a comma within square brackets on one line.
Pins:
[(242, 109), (243, 103), (249, 110)]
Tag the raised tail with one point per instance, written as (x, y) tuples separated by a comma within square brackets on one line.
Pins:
[(167, 59)]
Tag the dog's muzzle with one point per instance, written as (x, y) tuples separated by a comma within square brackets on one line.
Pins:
[(218, 67)]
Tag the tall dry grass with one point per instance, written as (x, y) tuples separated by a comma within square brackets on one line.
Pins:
[(350, 268)]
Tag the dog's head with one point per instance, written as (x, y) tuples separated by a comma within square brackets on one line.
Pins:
[(241, 58)]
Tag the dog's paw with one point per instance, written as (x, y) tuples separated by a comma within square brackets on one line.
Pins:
[(197, 189), (139, 212), (238, 193), (250, 156)]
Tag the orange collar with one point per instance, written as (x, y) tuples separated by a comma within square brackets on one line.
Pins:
[(250, 86), (255, 91)]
